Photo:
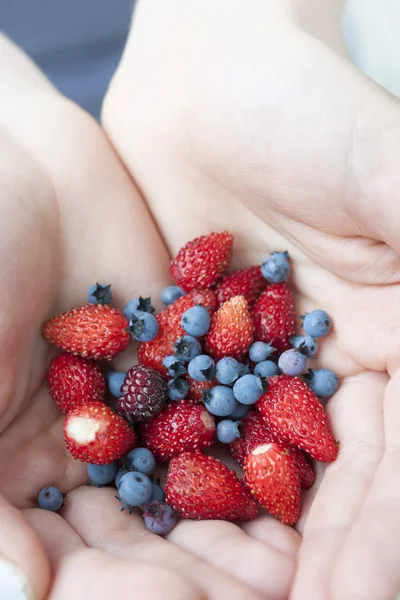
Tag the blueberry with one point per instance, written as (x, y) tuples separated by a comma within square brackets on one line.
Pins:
[(227, 370), (123, 470), (228, 431), (138, 304), (292, 362), (141, 460), (266, 368), (102, 474), (248, 389), (50, 498), (174, 366), (220, 401), (202, 368), (317, 323), (187, 347), (240, 411), (157, 493), (306, 344), (143, 326), (323, 382), (276, 268), (244, 369), (99, 294), (177, 388), (115, 380), (135, 488), (196, 321), (159, 518), (260, 351), (170, 294)]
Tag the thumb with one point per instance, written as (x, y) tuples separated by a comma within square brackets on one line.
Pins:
[(24, 568)]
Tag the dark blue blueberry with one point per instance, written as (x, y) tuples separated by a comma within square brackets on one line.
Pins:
[(248, 389), (323, 382), (227, 370), (157, 493), (174, 366), (141, 460), (228, 431), (135, 488), (99, 294), (143, 326), (260, 351), (196, 321), (317, 323), (50, 498), (159, 518), (102, 474), (202, 368), (276, 268), (177, 388), (266, 368), (115, 380), (292, 362), (306, 344), (187, 347), (138, 304), (170, 294), (240, 411), (220, 401)]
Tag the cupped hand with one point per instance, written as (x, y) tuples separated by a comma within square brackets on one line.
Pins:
[(70, 216), (248, 116)]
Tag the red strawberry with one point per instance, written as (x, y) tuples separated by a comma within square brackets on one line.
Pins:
[(274, 316), (201, 262), (73, 380), (201, 487), (92, 331), (95, 434), (144, 393), (248, 283), (254, 433), (152, 353), (296, 416), (198, 387), (271, 475), (179, 427), (231, 330)]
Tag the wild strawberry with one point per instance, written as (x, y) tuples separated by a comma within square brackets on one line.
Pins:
[(152, 353), (274, 316), (95, 434), (144, 393), (179, 427), (91, 331), (198, 387), (201, 262), (231, 330), (201, 487), (72, 380), (271, 475), (296, 416), (248, 283), (255, 432)]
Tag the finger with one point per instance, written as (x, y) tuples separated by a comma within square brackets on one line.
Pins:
[(227, 547), (369, 564), (24, 569), (356, 415), (270, 531), (96, 516)]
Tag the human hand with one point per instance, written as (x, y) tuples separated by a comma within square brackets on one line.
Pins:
[(70, 215), (247, 116)]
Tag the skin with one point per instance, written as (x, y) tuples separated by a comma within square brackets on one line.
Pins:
[(261, 127)]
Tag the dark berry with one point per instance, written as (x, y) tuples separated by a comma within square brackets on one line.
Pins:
[(50, 498), (159, 518), (144, 394)]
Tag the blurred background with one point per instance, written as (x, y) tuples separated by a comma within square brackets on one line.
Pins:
[(78, 43)]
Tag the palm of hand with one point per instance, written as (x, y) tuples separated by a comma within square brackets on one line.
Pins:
[(339, 541)]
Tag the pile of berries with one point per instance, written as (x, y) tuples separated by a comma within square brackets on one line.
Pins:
[(222, 362)]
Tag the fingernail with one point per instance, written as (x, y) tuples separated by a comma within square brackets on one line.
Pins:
[(13, 583)]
